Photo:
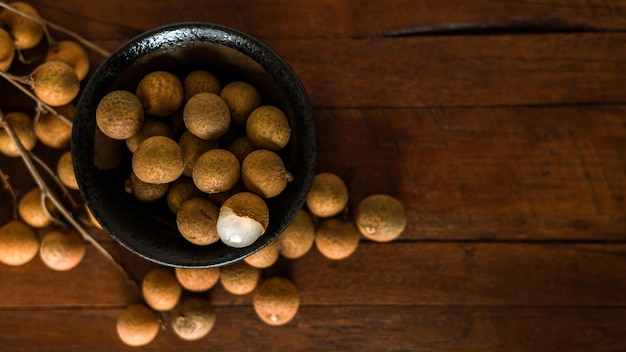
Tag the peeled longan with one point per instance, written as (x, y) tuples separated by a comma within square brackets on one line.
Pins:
[(216, 170), (193, 319), (137, 325), (7, 50), (276, 301), (31, 209), (298, 237), (22, 125), (192, 148), (149, 128), (196, 220), (265, 257), (206, 116), (145, 192), (197, 279), (328, 195), (239, 278), (158, 159), (119, 114), (160, 92), (263, 172), (160, 289), (180, 191), (62, 250), (242, 220), (241, 98), (26, 32), (73, 54), (268, 128), (19, 243), (55, 83), (380, 218), (65, 171), (200, 81), (52, 130), (337, 239)]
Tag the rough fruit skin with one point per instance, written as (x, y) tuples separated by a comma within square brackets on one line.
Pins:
[(380, 218), (197, 279), (276, 301), (26, 32), (193, 147), (7, 50), (65, 170), (160, 92), (194, 319), (22, 125), (31, 210), (145, 192), (216, 170), (160, 289), (263, 172), (242, 98), (239, 278), (19, 243), (336, 239), (137, 325), (268, 128), (196, 220), (200, 81), (328, 195), (119, 115), (62, 251), (298, 237), (206, 116), (54, 132), (158, 159), (265, 257), (149, 128), (73, 54), (180, 191), (55, 83)]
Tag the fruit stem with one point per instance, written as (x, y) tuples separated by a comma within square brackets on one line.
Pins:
[(46, 192), (41, 106), (64, 190), (56, 27), (7, 185)]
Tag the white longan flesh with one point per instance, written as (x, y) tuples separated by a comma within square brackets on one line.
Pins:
[(243, 218)]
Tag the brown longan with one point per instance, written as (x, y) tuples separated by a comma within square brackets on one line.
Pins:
[(149, 128), (62, 250), (197, 279), (145, 192), (265, 257), (180, 191), (328, 195), (192, 148), (196, 221), (65, 171), (22, 125), (19, 243), (7, 50), (200, 81), (263, 172), (276, 301), (298, 237), (380, 217), (160, 92), (31, 209), (52, 130), (216, 170), (137, 325), (72, 53), (241, 98), (26, 32), (158, 159), (55, 83), (239, 278), (206, 116), (119, 114), (160, 289), (193, 319), (268, 128), (336, 239)]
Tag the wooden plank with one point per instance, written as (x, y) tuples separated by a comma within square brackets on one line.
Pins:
[(401, 273), (363, 328), (331, 18)]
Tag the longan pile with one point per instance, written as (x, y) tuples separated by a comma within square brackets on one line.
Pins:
[(206, 148)]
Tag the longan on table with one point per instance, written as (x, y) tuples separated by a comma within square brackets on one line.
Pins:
[(193, 319), (62, 250), (328, 195), (137, 325), (7, 50), (380, 217), (298, 237), (197, 279), (72, 53), (239, 278), (19, 243), (336, 239), (31, 209), (161, 290), (276, 301), (55, 83), (26, 32), (65, 171)]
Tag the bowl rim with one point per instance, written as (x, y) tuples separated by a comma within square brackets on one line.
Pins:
[(158, 39)]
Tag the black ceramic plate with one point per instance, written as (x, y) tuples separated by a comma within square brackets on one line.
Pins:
[(149, 229)]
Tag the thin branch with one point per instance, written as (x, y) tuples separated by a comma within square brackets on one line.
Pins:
[(64, 190), (5, 181), (45, 190), (56, 27)]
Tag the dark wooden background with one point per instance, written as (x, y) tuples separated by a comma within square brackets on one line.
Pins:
[(499, 124)]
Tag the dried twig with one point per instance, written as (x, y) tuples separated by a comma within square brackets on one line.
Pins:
[(5, 181)]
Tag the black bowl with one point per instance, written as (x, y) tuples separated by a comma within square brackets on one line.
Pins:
[(149, 230)]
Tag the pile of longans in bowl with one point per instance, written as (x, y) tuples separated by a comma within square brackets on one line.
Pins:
[(216, 192)]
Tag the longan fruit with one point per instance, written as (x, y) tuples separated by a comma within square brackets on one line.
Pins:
[(239, 278), (52, 130), (380, 217), (180, 191), (19, 243), (336, 239), (265, 257), (7, 50), (241, 147), (145, 192), (200, 81), (206, 116), (62, 250), (276, 301), (298, 237), (160, 289), (72, 53), (268, 128), (196, 220), (92, 219), (194, 318), (193, 147), (241, 98), (137, 325), (158, 159), (22, 125), (107, 152), (197, 279), (160, 92), (31, 209), (119, 114), (149, 128), (26, 32), (55, 83), (216, 170), (65, 171), (242, 220), (263, 172), (328, 195)]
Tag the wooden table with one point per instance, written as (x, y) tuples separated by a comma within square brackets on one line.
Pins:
[(499, 124)]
